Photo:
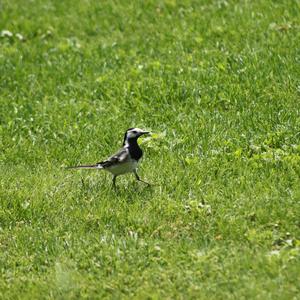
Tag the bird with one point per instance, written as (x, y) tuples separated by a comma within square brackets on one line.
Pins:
[(125, 160)]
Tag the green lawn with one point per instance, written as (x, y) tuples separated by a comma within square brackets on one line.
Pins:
[(217, 82)]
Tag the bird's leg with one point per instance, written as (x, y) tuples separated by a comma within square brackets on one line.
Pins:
[(138, 177), (114, 181), (82, 182)]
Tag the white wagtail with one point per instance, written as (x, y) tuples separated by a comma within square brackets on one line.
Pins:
[(125, 160)]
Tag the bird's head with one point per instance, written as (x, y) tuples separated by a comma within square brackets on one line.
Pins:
[(133, 133)]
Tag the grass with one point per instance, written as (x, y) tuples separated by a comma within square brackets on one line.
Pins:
[(218, 82)]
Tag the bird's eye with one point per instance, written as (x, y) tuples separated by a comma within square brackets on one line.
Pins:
[(134, 131)]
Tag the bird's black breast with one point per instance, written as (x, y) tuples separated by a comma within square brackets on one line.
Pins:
[(134, 150)]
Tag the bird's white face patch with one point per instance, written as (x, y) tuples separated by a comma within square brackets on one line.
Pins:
[(134, 133)]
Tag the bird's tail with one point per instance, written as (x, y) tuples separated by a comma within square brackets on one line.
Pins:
[(96, 166)]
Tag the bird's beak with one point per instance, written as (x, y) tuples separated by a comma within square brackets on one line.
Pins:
[(145, 132)]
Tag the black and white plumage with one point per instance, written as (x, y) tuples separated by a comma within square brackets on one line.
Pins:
[(125, 160)]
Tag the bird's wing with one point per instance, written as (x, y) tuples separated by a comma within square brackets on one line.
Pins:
[(119, 157)]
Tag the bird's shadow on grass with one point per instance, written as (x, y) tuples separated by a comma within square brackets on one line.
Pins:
[(129, 191), (91, 186), (132, 192)]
